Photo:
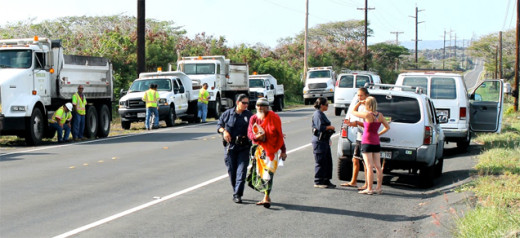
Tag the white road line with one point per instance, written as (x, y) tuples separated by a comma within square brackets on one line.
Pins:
[(154, 202)]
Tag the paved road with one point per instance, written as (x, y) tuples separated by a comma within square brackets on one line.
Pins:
[(172, 182), (474, 75)]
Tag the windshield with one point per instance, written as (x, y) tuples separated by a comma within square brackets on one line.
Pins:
[(416, 82), (256, 83), (319, 74), (15, 59), (143, 85), (199, 69)]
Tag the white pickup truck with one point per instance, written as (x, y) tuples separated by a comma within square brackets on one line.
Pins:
[(265, 85), (178, 98)]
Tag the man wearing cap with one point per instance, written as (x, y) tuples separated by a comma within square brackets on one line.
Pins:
[(61, 121), (265, 131), (78, 120)]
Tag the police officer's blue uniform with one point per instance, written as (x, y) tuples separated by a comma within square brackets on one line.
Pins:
[(321, 149), (236, 156)]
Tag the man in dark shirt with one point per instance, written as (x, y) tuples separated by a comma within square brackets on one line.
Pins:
[(233, 125)]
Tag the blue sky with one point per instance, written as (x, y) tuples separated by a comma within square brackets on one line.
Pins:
[(266, 21)]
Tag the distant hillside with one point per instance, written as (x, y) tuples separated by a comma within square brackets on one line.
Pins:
[(430, 44)]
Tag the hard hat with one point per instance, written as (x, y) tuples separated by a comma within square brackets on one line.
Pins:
[(69, 106), (262, 102)]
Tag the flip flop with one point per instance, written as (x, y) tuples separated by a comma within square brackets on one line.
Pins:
[(348, 185), (267, 204)]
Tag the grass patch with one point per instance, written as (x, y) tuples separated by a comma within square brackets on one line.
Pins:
[(486, 222), (499, 161)]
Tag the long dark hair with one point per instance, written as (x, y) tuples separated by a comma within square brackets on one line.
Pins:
[(320, 101)]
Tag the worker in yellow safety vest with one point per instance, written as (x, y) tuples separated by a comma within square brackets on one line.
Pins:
[(151, 96), (79, 101), (202, 103), (61, 121)]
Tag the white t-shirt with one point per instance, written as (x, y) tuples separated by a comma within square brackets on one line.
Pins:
[(351, 117)]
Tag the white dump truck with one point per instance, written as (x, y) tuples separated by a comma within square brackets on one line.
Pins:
[(265, 85), (225, 80), (319, 83), (178, 98), (36, 79)]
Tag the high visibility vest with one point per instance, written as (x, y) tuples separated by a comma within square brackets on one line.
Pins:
[(61, 115), (80, 104), (203, 96), (151, 97)]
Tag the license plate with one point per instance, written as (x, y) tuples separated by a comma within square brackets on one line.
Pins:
[(443, 112), (386, 154), (141, 114)]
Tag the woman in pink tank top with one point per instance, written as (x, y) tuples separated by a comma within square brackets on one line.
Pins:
[(370, 146)]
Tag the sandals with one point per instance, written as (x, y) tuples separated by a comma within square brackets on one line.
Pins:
[(348, 185), (367, 192), (266, 204)]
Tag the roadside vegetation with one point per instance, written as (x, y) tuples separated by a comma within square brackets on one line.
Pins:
[(495, 207)]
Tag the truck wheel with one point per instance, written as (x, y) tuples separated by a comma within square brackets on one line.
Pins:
[(426, 174), (104, 121), (278, 104), (91, 122), (170, 120), (125, 125), (35, 128), (216, 112), (337, 111), (345, 168), (463, 144)]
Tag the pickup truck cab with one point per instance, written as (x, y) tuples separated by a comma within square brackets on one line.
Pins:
[(265, 85), (347, 85), (319, 83), (449, 94), (178, 98)]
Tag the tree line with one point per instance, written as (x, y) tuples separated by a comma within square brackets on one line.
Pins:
[(337, 44)]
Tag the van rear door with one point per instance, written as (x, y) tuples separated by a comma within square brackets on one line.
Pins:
[(486, 106)]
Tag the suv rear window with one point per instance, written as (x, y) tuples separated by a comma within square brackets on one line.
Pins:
[(416, 82), (346, 81), (399, 109), (361, 80), (443, 88)]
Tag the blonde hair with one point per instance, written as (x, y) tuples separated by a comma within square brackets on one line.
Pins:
[(371, 104)]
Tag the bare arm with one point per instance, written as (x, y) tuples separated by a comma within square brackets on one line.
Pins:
[(356, 113), (385, 124)]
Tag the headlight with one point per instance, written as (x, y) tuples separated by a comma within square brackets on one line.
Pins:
[(304, 91), (211, 94), (18, 108), (260, 95), (163, 101), (122, 104)]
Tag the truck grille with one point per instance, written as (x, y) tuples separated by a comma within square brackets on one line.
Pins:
[(317, 85), (253, 95), (136, 103)]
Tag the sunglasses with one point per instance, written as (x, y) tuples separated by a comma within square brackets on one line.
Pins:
[(245, 103)]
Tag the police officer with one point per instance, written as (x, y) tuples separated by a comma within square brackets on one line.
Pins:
[(322, 130), (233, 124)]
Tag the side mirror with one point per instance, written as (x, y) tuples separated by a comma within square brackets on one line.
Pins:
[(272, 87), (176, 90), (122, 92), (181, 90), (442, 119), (475, 97)]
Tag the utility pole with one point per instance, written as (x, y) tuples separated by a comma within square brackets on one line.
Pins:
[(496, 62), (500, 55), (141, 51), (416, 34), (365, 67), (455, 49), (306, 45), (517, 55), (444, 50), (396, 36)]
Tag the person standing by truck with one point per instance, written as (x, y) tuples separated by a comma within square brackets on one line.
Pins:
[(61, 121), (203, 101), (322, 130), (151, 96), (233, 125), (78, 113)]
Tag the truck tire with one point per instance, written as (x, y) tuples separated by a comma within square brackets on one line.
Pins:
[(337, 111), (345, 168), (427, 175), (438, 167), (463, 144), (35, 127), (278, 102), (216, 112), (170, 120), (126, 125), (91, 121), (103, 121)]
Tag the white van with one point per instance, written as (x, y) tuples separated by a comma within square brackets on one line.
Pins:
[(449, 94), (347, 86)]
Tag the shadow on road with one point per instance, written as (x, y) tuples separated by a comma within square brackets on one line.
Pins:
[(18, 156)]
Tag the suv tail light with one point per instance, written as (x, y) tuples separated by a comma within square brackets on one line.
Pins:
[(337, 83), (427, 135), (344, 129), (462, 113)]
